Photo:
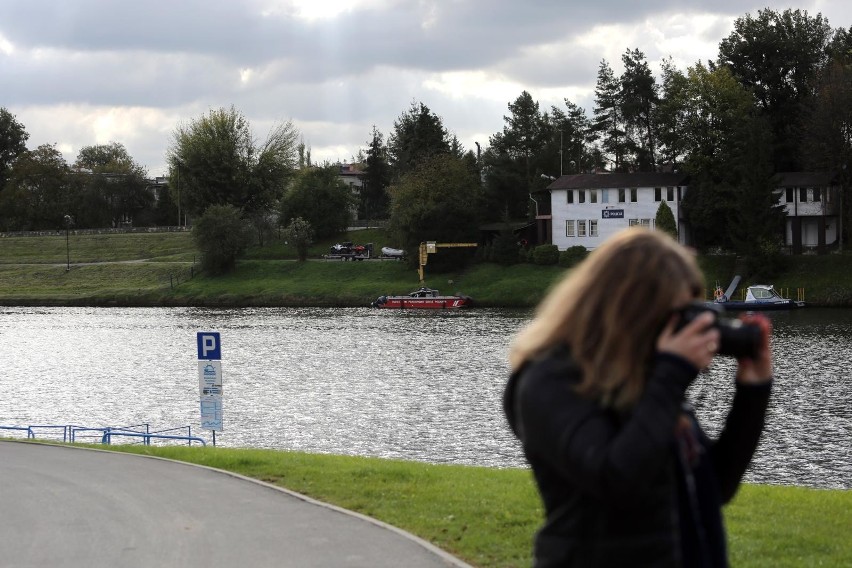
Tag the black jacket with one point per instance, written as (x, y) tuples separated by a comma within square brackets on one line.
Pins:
[(615, 489)]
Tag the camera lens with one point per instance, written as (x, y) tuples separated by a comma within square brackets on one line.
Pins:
[(738, 339)]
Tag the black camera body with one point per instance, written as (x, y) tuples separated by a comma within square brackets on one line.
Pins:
[(736, 339)]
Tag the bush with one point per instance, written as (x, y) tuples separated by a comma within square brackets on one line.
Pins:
[(572, 256), (546, 255), (768, 262), (504, 248), (300, 235), (221, 236)]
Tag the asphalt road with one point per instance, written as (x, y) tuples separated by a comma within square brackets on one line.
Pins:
[(69, 507)]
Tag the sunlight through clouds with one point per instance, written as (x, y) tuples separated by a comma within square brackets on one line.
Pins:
[(6, 47)]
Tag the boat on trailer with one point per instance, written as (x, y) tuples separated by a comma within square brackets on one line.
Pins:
[(423, 298), (758, 297)]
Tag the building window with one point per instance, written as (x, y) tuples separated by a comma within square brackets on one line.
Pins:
[(669, 194), (581, 194), (632, 195), (569, 228), (604, 196), (803, 195), (593, 196), (593, 228), (791, 196), (581, 228), (817, 194), (679, 196), (639, 223), (570, 196), (658, 194), (621, 196)]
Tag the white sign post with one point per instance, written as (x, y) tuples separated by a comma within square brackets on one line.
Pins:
[(210, 381)]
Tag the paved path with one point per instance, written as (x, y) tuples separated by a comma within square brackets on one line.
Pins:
[(69, 507)]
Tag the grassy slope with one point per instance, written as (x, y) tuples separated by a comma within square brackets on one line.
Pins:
[(488, 516), (32, 270)]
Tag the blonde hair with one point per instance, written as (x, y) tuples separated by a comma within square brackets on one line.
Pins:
[(610, 309)]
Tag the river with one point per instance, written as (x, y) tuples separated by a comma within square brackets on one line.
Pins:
[(397, 384)]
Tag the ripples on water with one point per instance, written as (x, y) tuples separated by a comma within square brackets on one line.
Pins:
[(399, 384)]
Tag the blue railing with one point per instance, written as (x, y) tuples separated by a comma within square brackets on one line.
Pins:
[(73, 433), (27, 429)]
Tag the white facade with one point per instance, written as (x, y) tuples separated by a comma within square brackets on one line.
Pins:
[(587, 217), (810, 207)]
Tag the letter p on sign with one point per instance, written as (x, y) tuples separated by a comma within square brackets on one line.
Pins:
[(209, 346)]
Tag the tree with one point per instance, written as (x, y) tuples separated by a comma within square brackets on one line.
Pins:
[(218, 162), (418, 134), (639, 100), (665, 220), (777, 56), (437, 201), (318, 196), (504, 247), (575, 133), (222, 236), (300, 235), (711, 108), (516, 158), (375, 180), (114, 189), (672, 114), (608, 123), (13, 142), (757, 223), (829, 129), (38, 193)]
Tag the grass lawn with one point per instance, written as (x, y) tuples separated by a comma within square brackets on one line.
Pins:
[(488, 516), (97, 248), (156, 269)]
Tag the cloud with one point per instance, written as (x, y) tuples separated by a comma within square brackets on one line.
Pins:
[(79, 72)]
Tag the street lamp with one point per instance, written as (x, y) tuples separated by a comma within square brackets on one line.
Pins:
[(69, 222)]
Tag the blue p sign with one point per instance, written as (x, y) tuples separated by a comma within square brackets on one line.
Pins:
[(209, 346)]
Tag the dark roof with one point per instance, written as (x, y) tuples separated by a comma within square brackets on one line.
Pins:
[(806, 179), (619, 180)]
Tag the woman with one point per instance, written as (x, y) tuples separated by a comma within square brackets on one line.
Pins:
[(596, 397)]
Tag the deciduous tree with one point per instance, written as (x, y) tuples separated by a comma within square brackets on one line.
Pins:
[(219, 162), (114, 188), (437, 201), (300, 235), (318, 196), (777, 56), (13, 142), (222, 235), (38, 193)]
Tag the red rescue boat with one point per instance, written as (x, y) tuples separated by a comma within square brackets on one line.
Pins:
[(423, 298)]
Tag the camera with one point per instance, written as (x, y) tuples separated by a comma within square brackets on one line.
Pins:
[(736, 339)]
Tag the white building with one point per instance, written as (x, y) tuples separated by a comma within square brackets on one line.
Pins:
[(812, 203), (587, 209)]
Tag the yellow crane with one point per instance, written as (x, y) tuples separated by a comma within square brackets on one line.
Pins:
[(431, 247)]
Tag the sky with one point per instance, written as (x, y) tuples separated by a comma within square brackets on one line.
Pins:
[(78, 73)]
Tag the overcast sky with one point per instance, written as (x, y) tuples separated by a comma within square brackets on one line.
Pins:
[(83, 72)]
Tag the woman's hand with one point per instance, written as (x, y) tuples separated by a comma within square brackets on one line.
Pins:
[(697, 342), (757, 371)]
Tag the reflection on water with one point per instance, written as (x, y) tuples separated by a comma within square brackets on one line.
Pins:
[(411, 385)]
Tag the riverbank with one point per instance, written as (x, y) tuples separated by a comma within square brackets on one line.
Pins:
[(161, 270), (488, 516)]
